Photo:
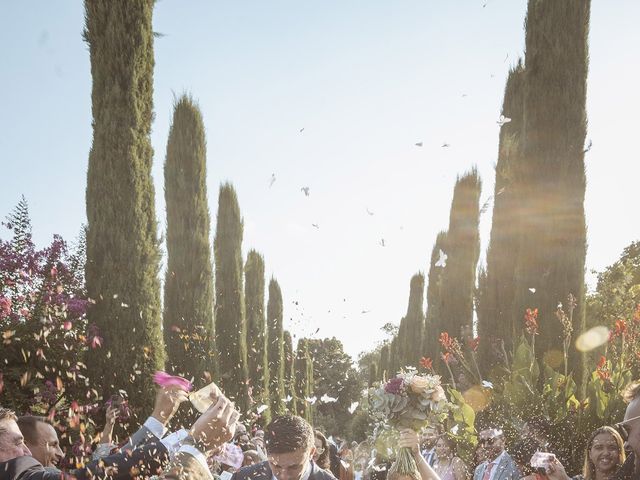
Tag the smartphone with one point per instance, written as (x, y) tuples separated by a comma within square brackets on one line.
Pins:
[(201, 399), (226, 475), (541, 460)]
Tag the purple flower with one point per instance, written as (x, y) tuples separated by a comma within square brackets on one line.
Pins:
[(394, 386)]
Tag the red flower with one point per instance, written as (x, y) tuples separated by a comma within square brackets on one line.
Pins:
[(621, 327), (602, 371), (445, 340), (427, 363), (473, 343), (531, 321), (446, 357)]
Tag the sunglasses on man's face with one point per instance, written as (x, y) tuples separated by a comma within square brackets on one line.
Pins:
[(488, 441), (623, 428)]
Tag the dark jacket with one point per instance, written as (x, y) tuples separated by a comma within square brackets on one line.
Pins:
[(262, 471), (149, 459)]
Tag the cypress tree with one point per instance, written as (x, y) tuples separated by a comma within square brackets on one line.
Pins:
[(414, 321), (123, 256), (290, 373), (496, 321), (256, 330), (463, 250), (304, 379), (373, 373), (275, 348), (430, 346), (552, 179), (383, 371), (231, 328), (188, 286)]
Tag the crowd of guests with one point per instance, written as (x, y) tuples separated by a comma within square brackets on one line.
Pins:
[(218, 446)]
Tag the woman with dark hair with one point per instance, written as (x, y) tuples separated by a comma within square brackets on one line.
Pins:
[(448, 465), (321, 457), (604, 456)]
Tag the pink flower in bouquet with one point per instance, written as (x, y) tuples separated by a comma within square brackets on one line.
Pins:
[(420, 384), (394, 386), (167, 381), (438, 394)]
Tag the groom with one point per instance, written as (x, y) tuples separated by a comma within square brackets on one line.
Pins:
[(289, 442)]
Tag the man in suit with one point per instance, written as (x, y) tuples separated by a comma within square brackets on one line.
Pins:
[(290, 445), (210, 431), (429, 440), (500, 465)]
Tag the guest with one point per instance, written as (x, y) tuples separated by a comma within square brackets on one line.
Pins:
[(448, 465), (604, 456), (213, 427), (428, 444), (105, 442), (321, 455), (252, 457), (499, 464), (41, 439)]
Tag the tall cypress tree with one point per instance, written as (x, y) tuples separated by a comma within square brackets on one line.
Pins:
[(123, 256), (256, 330), (463, 250), (231, 328), (552, 180), (188, 286), (304, 379), (275, 348), (290, 373), (373, 373), (434, 299), (496, 322), (414, 321), (383, 371)]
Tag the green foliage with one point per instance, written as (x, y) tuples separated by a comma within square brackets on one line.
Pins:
[(463, 250), (123, 253), (335, 376), (256, 331), (304, 380), (290, 373), (275, 349), (550, 180), (188, 287), (411, 329), (496, 319), (430, 346), (231, 328)]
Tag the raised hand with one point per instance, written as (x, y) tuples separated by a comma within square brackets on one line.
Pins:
[(217, 425), (167, 402), (409, 439)]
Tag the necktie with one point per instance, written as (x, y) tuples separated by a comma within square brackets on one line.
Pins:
[(487, 471)]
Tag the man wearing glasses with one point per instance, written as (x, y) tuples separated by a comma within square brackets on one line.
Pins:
[(500, 465)]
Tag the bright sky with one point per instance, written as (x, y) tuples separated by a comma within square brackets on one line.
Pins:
[(366, 80)]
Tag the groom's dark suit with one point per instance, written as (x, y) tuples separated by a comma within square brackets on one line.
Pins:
[(262, 471)]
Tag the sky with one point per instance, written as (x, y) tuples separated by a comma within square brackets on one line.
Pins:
[(327, 95)]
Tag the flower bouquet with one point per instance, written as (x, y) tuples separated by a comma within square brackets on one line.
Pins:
[(409, 400)]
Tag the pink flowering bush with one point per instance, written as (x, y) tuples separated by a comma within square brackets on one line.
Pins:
[(43, 328)]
